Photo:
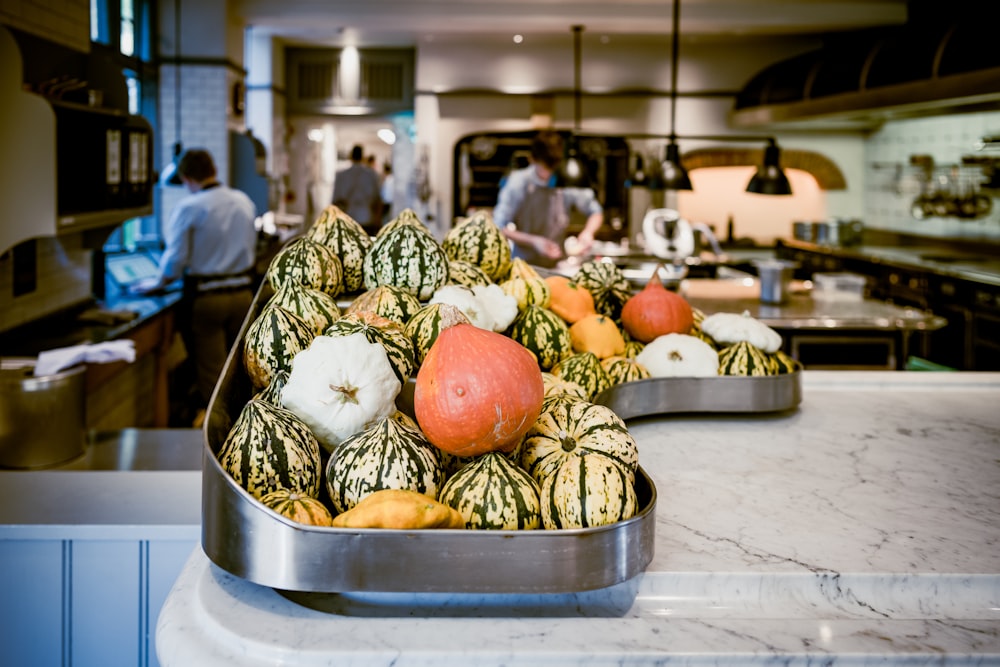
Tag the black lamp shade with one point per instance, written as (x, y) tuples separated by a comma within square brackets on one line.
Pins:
[(573, 172), (638, 178), (770, 179), (675, 176), (170, 175)]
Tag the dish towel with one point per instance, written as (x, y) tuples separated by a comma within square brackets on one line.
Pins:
[(53, 361)]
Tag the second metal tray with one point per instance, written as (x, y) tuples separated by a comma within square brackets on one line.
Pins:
[(654, 396)]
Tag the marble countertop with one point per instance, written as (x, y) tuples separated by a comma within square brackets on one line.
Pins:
[(861, 528)]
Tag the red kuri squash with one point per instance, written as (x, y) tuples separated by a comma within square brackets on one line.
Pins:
[(656, 311), (477, 391)]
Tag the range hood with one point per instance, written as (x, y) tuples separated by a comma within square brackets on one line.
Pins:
[(930, 66)]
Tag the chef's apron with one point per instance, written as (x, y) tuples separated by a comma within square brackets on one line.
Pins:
[(541, 213)]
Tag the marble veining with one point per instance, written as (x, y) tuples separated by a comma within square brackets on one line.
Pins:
[(862, 528)]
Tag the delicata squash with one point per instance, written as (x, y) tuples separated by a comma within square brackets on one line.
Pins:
[(401, 509)]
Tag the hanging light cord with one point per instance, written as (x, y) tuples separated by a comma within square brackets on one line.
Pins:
[(675, 48), (577, 30), (177, 77)]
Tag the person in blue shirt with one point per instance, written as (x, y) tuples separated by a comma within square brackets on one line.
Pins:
[(210, 243), (534, 215)]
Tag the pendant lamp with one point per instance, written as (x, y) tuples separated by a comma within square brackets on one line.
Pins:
[(169, 175), (770, 179), (573, 173), (675, 176)]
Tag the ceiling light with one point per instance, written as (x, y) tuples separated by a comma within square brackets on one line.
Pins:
[(387, 136), (518, 39), (675, 176), (770, 179)]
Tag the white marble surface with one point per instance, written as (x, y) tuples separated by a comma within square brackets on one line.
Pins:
[(862, 528)]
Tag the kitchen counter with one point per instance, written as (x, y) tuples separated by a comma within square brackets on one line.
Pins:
[(861, 528), (980, 267)]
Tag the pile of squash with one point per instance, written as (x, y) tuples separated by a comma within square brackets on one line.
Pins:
[(505, 366)]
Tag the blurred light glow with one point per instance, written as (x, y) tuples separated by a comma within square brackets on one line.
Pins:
[(316, 135), (518, 39), (387, 136)]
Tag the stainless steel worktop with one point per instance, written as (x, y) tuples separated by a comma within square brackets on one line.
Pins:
[(803, 311)]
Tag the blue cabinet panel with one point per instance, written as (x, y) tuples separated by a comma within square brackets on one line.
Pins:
[(31, 603), (106, 590)]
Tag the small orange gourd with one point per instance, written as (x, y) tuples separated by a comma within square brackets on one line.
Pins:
[(598, 334), (656, 311), (568, 300)]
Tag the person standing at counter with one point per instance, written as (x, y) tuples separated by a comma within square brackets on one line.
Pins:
[(356, 191), (534, 215), (211, 242)]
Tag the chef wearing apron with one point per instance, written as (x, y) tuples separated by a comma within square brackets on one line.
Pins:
[(534, 215)]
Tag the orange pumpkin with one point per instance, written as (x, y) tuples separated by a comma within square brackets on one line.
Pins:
[(656, 311), (568, 300), (598, 334), (477, 391)]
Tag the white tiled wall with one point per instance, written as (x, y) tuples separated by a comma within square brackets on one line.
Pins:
[(63, 281), (892, 184)]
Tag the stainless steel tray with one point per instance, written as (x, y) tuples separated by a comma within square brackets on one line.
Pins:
[(252, 542), (654, 396)]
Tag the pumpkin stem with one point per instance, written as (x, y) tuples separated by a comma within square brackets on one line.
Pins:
[(567, 441), (345, 394)]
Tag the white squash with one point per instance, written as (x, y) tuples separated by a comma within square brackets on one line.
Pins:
[(340, 385), (729, 328), (679, 355)]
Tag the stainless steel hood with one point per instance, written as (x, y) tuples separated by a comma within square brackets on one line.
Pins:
[(931, 66)]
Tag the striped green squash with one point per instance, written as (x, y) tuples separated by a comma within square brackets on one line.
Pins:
[(269, 448), (784, 363), (744, 359), (467, 274), (586, 492), (606, 283), (544, 333), (409, 258), (384, 332), (585, 369), (308, 263), (425, 326), (623, 369), (405, 217), (271, 342), (491, 492), (388, 301), (479, 241), (633, 348), (388, 455), (272, 392), (570, 427), (298, 507), (318, 309), (554, 385), (347, 239), (526, 285)]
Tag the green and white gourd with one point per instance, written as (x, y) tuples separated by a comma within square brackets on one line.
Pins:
[(271, 342), (389, 455), (569, 428), (269, 448), (584, 369), (388, 301), (493, 493), (308, 263), (607, 284), (587, 492), (467, 274), (272, 392), (623, 369), (347, 239), (479, 241), (409, 258), (745, 359), (544, 334), (317, 309)]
